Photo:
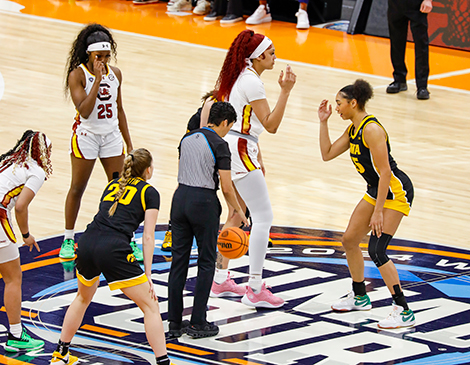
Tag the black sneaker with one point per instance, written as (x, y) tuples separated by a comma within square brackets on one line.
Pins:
[(231, 18), (213, 16), (422, 94), (177, 329), (396, 87), (202, 330)]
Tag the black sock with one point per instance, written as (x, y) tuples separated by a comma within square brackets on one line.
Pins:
[(359, 288), (163, 360), (399, 297), (63, 347)]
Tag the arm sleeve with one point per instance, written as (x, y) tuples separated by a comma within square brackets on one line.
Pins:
[(152, 198)]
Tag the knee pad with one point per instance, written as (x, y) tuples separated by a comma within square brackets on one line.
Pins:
[(377, 248)]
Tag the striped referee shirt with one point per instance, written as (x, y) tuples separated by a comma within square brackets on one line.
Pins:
[(202, 153)]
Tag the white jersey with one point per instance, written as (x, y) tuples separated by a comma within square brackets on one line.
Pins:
[(12, 181), (246, 89), (104, 117), (15, 178)]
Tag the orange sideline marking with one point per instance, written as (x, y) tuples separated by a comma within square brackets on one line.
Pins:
[(23, 313), (241, 362), (104, 330), (7, 360), (187, 349)]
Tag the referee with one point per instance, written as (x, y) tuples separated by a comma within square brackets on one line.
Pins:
[(195, 212)]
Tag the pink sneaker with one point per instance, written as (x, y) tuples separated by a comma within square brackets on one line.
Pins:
[(227, 289), (264, 299)]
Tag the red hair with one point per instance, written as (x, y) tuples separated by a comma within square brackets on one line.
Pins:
[(240, 49)]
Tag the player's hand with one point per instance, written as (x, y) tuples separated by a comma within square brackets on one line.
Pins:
[(426, 6), (152, 293), (31, 242), (376, 223), (245, 221), (99, 68), (287, 82), (324, 111)]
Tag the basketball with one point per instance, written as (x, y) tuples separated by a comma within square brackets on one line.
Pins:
[(232, 242)]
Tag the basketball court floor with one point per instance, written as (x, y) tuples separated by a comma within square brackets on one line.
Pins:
[(168, 62)]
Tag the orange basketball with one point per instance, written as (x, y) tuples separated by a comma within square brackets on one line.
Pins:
[(232, 242)]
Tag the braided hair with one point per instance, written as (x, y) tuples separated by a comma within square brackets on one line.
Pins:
[(361, 90), (31, 146), (92, 33), (135, 164)]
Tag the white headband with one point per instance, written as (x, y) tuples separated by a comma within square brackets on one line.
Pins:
[(263, 46), (48, 142), (99, 46)]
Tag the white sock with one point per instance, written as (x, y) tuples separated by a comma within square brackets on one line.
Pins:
[(220, 275), (255, 283), (16, 329), (69, 234)]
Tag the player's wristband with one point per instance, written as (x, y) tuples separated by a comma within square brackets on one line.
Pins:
[(25, 235)]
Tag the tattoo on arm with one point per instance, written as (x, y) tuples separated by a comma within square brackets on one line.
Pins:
[(218, 264)]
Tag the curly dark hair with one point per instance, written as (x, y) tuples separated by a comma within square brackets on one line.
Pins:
[(92, 33), (361, 90)]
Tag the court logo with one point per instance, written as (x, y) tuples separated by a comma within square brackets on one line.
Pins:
[(305, 267)]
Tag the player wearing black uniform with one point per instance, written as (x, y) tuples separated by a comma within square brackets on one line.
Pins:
[(105, 248), (388, 198)]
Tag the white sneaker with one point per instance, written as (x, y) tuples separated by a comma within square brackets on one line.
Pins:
[(398, 318), (302, 19), (261, 15), (180, 5), (352, 303), (202, 7)]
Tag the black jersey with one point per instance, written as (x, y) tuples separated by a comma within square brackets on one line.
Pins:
[(130, 212), (364, 162)]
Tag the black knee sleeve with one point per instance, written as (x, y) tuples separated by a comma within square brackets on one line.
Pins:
[(377, 248)]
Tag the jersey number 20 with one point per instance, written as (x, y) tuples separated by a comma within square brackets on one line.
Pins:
[(125, 199)]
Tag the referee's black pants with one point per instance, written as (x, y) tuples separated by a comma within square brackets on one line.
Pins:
[(400, 13), (195, 212)]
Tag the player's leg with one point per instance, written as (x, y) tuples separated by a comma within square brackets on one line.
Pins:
[(223, 285), (72, 321), (10, 270), (254, 191), (81, 172), (357, 228), (152, 320), (401, 315)]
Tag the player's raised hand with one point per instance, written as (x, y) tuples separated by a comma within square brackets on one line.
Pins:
[(324, 111), (287, 82)]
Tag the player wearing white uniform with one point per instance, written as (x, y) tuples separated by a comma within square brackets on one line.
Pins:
[(239, 83), (23, 170), (100, 124)]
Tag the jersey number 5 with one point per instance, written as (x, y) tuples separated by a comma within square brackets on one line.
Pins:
[(125, 199), (359, 167), (105, 111)]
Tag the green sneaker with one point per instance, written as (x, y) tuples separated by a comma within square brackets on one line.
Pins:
[(398, 318), (138, 254), (352, 303), (67, 250), (24, 343)]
